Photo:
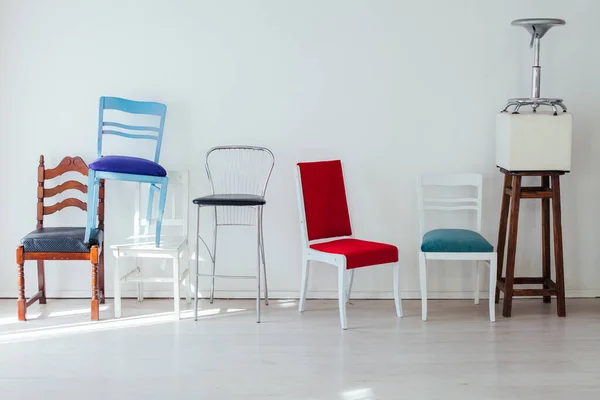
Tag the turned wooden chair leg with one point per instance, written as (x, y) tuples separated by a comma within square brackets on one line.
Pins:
[(95, 306), (21, 304), (102, 293), (41, 281)]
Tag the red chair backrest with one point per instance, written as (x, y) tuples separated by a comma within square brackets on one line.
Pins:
[(324, 195)]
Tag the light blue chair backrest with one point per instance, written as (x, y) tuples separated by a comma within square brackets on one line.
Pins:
[(131, 131)]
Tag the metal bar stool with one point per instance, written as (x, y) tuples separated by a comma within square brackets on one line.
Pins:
[(238, 177)]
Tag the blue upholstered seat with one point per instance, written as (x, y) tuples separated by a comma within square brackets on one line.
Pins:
[(455, 241), (128, 165), (60, 240)]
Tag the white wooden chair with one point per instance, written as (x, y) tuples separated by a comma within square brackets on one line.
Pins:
[(327, 232), (173, 243), (454, 244)]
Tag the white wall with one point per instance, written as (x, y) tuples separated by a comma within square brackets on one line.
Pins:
[(394, 88)]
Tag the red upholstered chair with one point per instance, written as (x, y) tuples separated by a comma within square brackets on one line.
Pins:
[(327, 232)]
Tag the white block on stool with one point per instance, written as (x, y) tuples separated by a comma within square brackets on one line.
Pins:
[(532, 141)]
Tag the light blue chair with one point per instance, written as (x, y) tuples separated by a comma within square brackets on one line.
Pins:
[(126, 168)]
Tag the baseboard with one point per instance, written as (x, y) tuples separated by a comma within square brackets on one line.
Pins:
[(241, 294)]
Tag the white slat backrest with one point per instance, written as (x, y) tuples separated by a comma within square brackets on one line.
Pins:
[(449, 203)]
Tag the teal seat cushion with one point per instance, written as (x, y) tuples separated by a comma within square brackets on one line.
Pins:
[(455, 241)]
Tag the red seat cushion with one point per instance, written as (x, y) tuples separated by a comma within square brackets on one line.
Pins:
[(360, 253)]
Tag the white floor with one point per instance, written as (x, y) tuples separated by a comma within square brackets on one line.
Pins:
[(457, 354)]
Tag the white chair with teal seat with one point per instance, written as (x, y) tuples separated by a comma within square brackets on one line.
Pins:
[(127, 168), (454, 244)]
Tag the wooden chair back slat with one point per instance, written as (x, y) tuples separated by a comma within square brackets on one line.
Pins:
[(67, 164)]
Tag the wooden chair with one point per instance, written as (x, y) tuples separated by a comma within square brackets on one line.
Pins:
[(62, 243)]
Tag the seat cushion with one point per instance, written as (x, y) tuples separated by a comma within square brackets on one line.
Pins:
[(60, 240), (128, 165), (360, 253), (455, 241), (230, 200)]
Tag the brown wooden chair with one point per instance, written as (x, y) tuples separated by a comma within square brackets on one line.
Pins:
[(62, 243)]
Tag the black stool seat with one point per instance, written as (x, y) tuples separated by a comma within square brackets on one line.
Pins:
[(230, 200)]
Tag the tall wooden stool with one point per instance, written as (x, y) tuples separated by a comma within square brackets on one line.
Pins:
[(512, 193)]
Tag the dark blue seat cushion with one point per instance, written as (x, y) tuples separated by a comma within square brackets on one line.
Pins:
[(128, 165), (455, 241), (60, 240)]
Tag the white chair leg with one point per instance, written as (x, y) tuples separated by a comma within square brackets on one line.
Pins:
[(188, 271), (304, 284), (176, 284), (477, 278), (492, 288), (423, 281), (342, 277), (117, 288), (140, 285), (349, 283), (397, 297)]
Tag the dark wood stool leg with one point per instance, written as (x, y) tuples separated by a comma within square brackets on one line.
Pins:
[(546, 238), (558, 248), (512, 245), (21, 304), (41, 281), (502, 232)]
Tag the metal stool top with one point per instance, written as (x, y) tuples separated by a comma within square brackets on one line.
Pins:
[(537, 27)]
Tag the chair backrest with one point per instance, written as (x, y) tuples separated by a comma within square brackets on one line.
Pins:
[(176, 215), (322, 200), (238, 170), (148, 132), (449, 203), (68, 164)]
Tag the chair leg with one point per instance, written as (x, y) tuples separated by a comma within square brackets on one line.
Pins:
[(188, 281), (41, 281), (197, 269), (214, 260), (397, 296), (262, 251), (342, 276), (102, 293), (94, 305), (91, 205), (21, 304), (140, 285), (304, 285), (349, 283), (176, 285), (162, 201), (423, 281), (258, 257), (117, 287), (477, 278), (492, 288)]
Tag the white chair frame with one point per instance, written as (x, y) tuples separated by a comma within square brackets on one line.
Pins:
[(454, 204), (143, 245), (345, 276)]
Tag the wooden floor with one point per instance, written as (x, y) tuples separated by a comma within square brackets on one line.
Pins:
[(457, 354)]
